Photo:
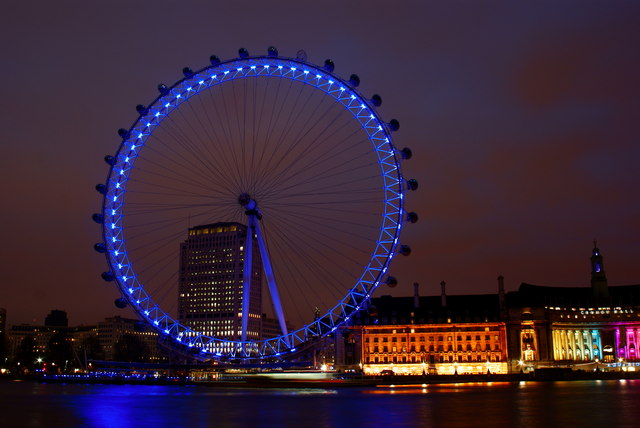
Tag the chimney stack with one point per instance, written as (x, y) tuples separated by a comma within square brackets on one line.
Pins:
[(416, 296), (443, 296), (501, 301)]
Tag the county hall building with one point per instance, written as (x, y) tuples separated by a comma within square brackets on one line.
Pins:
[(594, 327)]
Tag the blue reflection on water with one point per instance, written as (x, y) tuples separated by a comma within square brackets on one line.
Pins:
[(588, 403), (122, 406)]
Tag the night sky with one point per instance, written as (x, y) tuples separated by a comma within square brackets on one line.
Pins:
[(523, 120)]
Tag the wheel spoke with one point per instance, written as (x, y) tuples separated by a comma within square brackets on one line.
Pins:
[(297, 141)]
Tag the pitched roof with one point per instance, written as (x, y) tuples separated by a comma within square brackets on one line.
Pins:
[(539, 295), (458, 308)]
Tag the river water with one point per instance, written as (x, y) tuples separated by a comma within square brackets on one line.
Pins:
[(524, 404)]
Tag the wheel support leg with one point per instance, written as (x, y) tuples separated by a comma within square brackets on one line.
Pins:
[(271, 281), (246, 275)]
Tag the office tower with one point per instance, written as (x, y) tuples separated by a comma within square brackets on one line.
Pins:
[(210, 282)]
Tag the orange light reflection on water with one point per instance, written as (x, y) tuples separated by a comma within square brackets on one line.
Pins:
[(436, 387)]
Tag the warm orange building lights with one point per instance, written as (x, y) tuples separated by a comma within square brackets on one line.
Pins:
[(463, 348)]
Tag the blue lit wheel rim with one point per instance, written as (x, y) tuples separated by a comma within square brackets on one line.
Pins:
[(320, 194)]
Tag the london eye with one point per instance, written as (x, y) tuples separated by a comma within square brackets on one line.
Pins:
[(257, 191)]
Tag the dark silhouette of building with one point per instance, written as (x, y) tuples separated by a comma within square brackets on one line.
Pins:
[(56, 318), (3, 333), (271, 327), (3, 321)]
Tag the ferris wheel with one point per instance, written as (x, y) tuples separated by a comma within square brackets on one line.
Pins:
[(260, 172)]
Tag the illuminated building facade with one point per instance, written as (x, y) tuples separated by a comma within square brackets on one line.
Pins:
[(427, 335), (472, 348), (576, 326), (17, 333), (114, 329), (533, 327), (611, 340), (211, 282), (106, 334), (54, 322)]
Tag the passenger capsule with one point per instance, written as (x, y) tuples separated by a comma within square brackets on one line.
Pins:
[(214, 60), (188, 73), (100, 247), (301, 55), (329, 65), (406, 153), (354, 80), (412, 184), (391, 281), (142, 110), (120, 303), (394, 125), (123, 133), (110, 160), (98, 218), (163, 89), (243, 53), (107, 276), (412, 217), (405, 250), (272, 52), (101, 188), (376, 100)]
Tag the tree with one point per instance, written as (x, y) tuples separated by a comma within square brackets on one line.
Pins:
[(3, 348), (91, 347), (26, 354), (59, 351)]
